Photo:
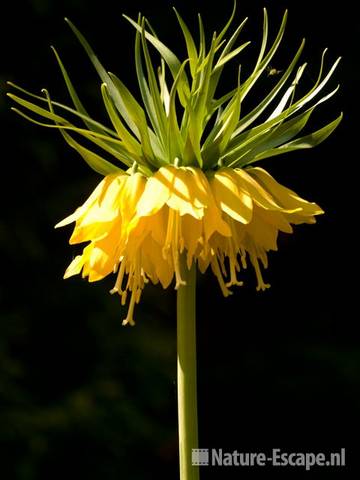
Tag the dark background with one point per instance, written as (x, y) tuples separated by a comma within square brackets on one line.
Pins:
[(82, 396)]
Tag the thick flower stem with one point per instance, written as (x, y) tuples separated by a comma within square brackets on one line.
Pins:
[(186, 376)]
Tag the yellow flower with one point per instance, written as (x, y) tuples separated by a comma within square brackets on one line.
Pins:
[(180, 179), (139, 227)]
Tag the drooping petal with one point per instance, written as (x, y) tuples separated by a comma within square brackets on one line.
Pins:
[(92, 231), (97, 208), (286, 197), (155, 195), (75, 266), (192, 233), (212, 221), (103, 257), (259, 195), (232, 200), (278, 220), (262, 233), (160, 268), (178, 187), (130, 195)]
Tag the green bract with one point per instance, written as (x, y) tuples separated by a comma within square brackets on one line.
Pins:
[(181, 121)]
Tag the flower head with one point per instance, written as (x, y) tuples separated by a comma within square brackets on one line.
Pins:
[(189, 186), (138, 227)]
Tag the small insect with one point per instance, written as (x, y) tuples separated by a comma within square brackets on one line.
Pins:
[(272, 72)]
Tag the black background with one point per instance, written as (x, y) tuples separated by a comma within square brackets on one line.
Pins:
[(79, 394)]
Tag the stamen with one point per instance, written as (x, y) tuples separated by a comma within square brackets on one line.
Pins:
[(234, 266), (137, 273), (129, 318), (175, 252), (123, 298), (254, 260), (180, 236), (216, 269), (221, 259), (169, 233), (144, 277), (117, 287), (243, 257)]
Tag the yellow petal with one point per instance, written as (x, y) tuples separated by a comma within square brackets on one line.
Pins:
[(106, 207), (75, 267), (159, 266), (102, 260), (286, 197), (260, 196), (93, 231), (184, 192), (262, 233), (156, 193), (131, 193), (213, 222), (192, 233), (158, 225), (81, 210), (178, 187), (94, 199), (233, 201), (200, 187), (71, 218), (277, 219)]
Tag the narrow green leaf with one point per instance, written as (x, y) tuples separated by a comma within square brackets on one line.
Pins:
[(73, 94), (118, 151), (316, 89), (228, 23), (96, 162), (250, 138), (254, 114), (192, 150), (289, 94), (277, 136), (174, 139), (164, 91), (105, 77), (34, 108), (264, 39), (230, 55), (190, 44), (308, 141), (202, 101), (170, 58), (96, 125), (217, 141), (130, 143), (137, 115), (159, 112), (216, 73), (202, 51), (261, 66), (232, 40)]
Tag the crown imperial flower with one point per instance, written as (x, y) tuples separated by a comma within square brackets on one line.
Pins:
[(139, 226), (189, 187)]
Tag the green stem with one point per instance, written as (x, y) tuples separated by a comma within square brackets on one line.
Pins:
[(186, 376)]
